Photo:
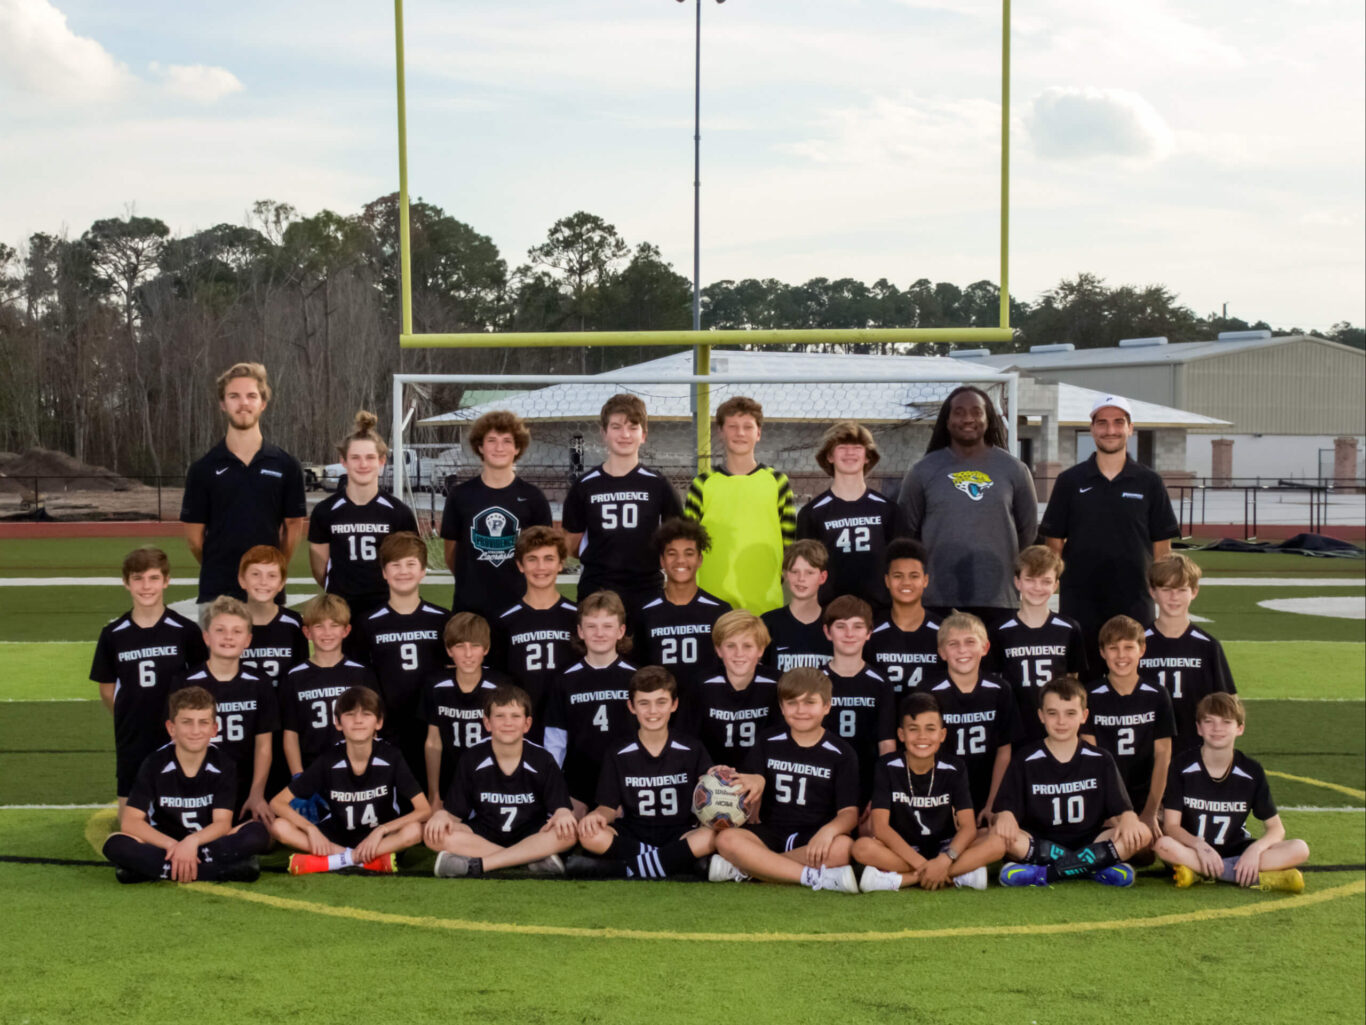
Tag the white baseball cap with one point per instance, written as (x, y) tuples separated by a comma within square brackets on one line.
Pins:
[(1116, 401)]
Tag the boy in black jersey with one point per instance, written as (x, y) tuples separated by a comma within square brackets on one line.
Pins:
[(1210, 794), (674, 630), (1187, 661), (277, 637), (979, 712), (535, 637), (362, 782), (862, 707), (178, 820), (247, 712), (1036, 644), (346, 528), (588, 705), (612, 511), (796, 631), (453, 701), (854, 522), (402, 642), (484, 516), (508, 806), (924, 825), (1062, 810), (805, 780), (736, 704), (310, 690), (136, 658), (651, 780), (1132, 719), (904, 647)]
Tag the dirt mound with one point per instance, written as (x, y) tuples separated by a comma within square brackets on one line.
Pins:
[(57, 471)]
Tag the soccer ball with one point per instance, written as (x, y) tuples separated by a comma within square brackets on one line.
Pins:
[(718, 803)]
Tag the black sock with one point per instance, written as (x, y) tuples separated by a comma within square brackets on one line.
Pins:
[(221, 854), (1081, 863), (676, 857), (621, 849), (145, 859), (476, 868)]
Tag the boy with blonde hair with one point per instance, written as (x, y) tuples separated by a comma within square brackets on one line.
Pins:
[(739, 702)]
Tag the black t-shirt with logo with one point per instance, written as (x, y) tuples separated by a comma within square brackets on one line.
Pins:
[(794, 643), (353, 534), (617, 517), (484, 523), (856, 535), (909, 659)]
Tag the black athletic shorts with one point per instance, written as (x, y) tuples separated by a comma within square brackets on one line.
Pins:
[(490, 830), (782, 838), (332, 828)]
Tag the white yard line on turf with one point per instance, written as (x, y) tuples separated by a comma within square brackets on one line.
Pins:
[(1315, 808)]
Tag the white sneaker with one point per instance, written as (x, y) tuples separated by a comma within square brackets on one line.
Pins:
[(451, 866), (722, 871), (841, 880), (551, 866), (876, 879), (974, 880)]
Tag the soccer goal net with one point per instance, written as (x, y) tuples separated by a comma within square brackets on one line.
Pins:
[(802, 394)]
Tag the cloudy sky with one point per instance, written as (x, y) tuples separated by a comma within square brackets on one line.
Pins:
[(1214, 147)]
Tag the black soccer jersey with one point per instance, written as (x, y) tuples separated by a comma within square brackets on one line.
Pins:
[(617, 517), (1217, 810), (357, 802), (484, 523), (246, 708), (1189, 666), (863, 713), (585, 714), (353, 534), (1027, 657), (177, 804), (794, 643), (404, 649), (505, 807), (678, 637), (909, 659), (978, 724), (141, 663), (923, 809), (805, 787), (654, 792), (307, 695), (1067, 802), (729, 721), (856, 535), (1128, 725), (458, 715), (534, 646), (277, 647)]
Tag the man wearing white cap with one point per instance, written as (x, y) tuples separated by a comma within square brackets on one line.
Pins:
[(1109, 517)]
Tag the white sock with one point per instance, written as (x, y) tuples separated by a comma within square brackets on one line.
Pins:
[(342, 860), (810, 876)]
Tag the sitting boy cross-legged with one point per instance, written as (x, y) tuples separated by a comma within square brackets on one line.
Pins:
[(177, 823), (1062, 809), (1210, 794), (362, 781), (508, 805), (651, 780), (924, 826), (806, 780)]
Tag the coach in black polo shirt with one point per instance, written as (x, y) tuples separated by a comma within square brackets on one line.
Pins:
[(1109, 517), (244, 491)]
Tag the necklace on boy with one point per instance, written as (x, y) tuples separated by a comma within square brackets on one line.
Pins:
[(911, 786)]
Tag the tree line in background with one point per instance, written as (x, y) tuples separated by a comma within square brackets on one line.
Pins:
[(111, 341)]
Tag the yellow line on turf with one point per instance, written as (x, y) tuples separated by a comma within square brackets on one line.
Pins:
[(608, 933), (1360, 795), (99, 826)]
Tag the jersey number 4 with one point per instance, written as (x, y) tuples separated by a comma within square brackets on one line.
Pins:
[(367, 816)]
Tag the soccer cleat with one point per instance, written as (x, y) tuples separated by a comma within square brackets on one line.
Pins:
[(248, 870), (386, 863), (1290, 880), (1120, 874), (451, 866), (1015, 874), (722, 871), (1184, 876), (303, 864), (974, 880), (128, 877), (876, 879), (838, 880), (551, 866)]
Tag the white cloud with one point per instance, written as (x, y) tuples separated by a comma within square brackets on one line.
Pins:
[(197, 82), (1066, 123), (39, 53)]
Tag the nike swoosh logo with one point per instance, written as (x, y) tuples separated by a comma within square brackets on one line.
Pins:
[(221, 470), (1082, 491)]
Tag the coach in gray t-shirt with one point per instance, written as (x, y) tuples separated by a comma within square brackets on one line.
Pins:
[(972, 504)]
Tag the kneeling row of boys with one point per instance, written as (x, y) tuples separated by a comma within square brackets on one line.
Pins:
[(1061, 813)]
